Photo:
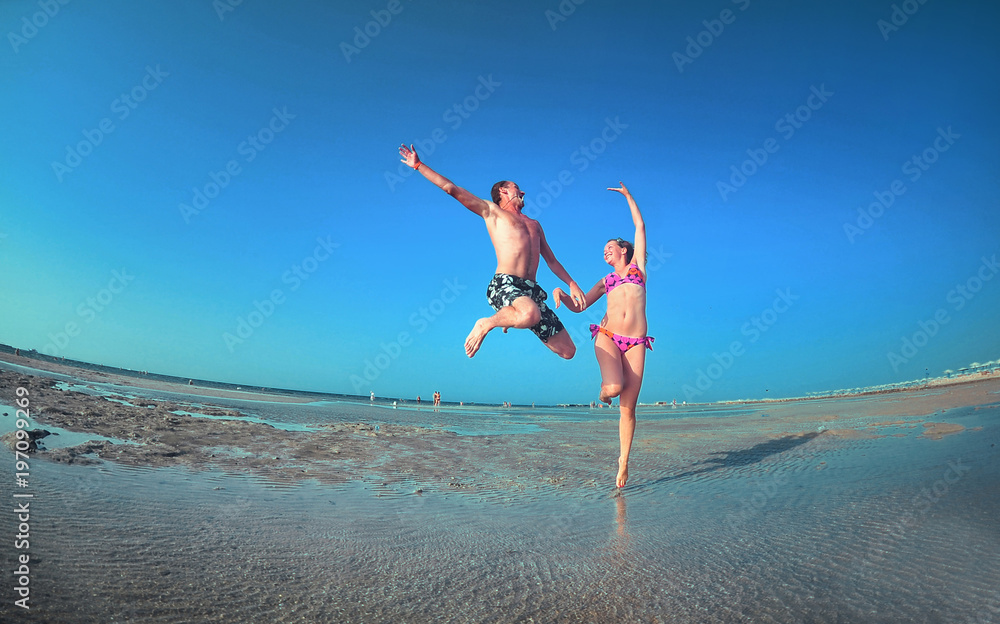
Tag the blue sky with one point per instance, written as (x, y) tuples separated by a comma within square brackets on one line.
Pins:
[(211, 189)]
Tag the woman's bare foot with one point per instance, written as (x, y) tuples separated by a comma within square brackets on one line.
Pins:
[(622, 472), (475, 339), (603, 398)]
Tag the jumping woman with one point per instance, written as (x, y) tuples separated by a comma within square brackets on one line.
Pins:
[(620, 340)]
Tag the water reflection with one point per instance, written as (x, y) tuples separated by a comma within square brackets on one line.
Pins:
[(621, 516), (621, 541)]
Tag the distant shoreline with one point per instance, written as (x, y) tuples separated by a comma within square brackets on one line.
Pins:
[(905, 386), (164, 383)]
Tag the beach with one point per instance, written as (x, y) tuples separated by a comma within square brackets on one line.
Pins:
[(159, 502)]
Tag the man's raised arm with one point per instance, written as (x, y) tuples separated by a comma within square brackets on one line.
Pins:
[(476, 204)]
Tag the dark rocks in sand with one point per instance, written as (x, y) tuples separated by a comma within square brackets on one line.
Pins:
[(38, 434), (79, 454), (211, 410), (11, 439)]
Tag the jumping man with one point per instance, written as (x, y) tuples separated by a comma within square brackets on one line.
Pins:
[(518, 241)]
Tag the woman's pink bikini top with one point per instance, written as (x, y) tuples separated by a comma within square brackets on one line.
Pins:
[(634, 276)]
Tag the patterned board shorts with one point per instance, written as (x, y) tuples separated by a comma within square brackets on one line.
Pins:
[(504, 289)]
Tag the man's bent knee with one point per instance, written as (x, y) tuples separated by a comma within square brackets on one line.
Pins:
[(528, 314), (562, 345)]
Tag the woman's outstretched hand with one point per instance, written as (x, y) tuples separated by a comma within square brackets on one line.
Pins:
[(558, 295), (622, 189)]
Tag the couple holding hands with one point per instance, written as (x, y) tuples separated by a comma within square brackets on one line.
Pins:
[(620, 340)]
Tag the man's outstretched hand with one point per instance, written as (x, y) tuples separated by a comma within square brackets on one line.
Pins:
[(578, 296), (409, 156)]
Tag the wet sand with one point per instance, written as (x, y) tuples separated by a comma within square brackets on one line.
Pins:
[(878, 509)]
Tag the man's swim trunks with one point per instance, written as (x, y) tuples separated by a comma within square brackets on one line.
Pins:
[(504, 289)]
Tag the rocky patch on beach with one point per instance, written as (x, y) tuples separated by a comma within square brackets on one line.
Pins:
[(150, 433), (153, 433), (29, 439)]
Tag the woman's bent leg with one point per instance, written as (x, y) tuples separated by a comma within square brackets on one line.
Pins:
[(610, 359)]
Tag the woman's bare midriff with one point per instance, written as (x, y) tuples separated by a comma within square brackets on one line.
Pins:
[(626, 311)]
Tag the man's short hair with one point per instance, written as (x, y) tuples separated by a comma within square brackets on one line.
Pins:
[(495, 191)]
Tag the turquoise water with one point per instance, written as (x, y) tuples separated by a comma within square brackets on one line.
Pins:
[(738, 520)]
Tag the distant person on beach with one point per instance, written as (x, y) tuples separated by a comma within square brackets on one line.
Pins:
[(437, 398), (518, 241), (622, 328)]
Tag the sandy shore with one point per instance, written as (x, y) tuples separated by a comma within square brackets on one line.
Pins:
[(157, 433)]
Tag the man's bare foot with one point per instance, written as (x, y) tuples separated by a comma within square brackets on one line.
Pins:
[(475, 339), (622, 472)]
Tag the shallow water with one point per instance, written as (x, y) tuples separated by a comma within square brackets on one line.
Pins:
[(743, 515)]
